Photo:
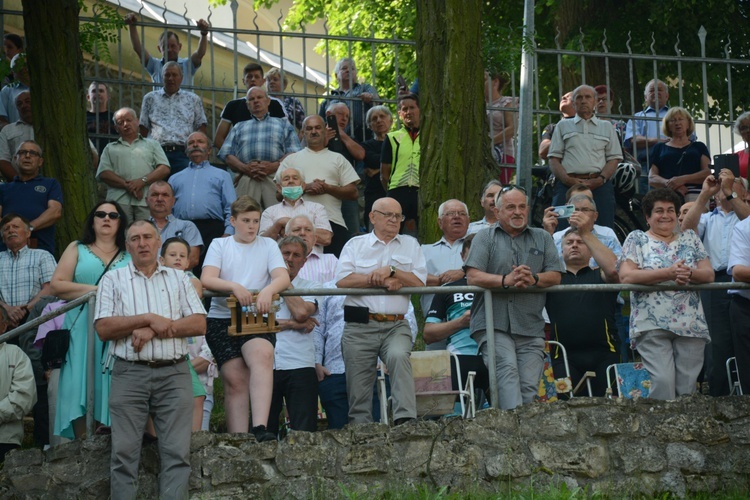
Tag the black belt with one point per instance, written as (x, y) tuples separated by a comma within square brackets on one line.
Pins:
[(157, 364), (170, 148)]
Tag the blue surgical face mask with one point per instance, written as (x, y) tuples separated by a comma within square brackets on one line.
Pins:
[(293, 193)]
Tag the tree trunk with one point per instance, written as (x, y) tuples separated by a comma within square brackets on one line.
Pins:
[(55, 69), (455, 147)]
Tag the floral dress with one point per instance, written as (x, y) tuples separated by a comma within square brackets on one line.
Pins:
[(677, 311)]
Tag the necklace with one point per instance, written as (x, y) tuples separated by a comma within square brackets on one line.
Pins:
[(106, 252)]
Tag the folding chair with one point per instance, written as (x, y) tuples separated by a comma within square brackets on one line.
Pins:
[(431, 371), (630, 379), (733, 376), (549, 386)]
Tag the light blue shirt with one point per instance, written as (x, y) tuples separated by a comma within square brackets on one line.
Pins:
[(604, 234), (739, 253), (715, 229), (203, 192)]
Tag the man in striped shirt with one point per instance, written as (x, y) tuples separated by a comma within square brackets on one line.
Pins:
[(146, 310)]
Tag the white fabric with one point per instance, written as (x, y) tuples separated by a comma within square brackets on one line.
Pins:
[(295, 349)]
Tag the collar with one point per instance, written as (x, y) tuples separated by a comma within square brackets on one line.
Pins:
[(268, 113), (123, 141), (443, 241), (497, 226), (203, 164), (135, 271), (653, 110), (164, 93), (593, 119), (324, 150), (169, 218), (373, 239), (34, 179), (21, 251), (583, 269), (299, 201)]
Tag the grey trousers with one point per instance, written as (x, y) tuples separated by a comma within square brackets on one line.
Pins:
[(361, 345), (167, 395), (519, 362), (136, 212), (673, 362)]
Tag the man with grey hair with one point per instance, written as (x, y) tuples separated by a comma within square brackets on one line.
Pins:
[(291, 184), (169, 115), (358, 97), (513, 256), (444, 262), (586, 150), (255, 148), (644, 132), (488, 204), (13, 134), (130, 164)]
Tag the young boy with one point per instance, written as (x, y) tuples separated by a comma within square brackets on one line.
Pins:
[(234, 265)]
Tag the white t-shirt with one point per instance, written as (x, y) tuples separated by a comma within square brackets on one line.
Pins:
[(295, 349), (249, 264), (327, 165)]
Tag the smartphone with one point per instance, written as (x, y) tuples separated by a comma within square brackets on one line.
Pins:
[(564, 211), (332, 123), (402, 83), (732, 162)]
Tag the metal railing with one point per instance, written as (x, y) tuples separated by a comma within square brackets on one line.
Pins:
[(90, 298)]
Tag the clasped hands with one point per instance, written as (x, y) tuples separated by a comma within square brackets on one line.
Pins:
[(680, 273), (257, 169), (159, 326), (381, 278), (520, 277)]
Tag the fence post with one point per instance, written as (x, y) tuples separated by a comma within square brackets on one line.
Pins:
[(490, 332), (91, 368)]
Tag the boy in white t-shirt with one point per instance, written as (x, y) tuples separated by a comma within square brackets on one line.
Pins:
[(236, 264)]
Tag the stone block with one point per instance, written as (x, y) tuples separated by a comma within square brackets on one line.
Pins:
[(493, 419), (237, 470), (300, 488), (602, 421), (685, 427), (739, 430), (305, 459), (729, 408), (674, 483), (582, 458), (32, 484), (233, 440), (201, 439), (17, 459), (555, 423), (261, 451), (688, 458), (366, 459), (368, 433), (63, 451), (511, 463), (631, 456)]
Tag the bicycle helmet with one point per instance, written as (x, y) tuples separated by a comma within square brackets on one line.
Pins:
[(625, 177)]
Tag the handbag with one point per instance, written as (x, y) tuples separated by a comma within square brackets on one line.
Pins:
[(57, 342)]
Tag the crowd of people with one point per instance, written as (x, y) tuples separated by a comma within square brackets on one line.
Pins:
[(285, 212)]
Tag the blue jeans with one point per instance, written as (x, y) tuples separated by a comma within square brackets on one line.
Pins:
[(332, 392)]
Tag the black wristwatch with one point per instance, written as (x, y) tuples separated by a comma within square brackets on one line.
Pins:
[(731, 196), (393, 271), (536, 279)]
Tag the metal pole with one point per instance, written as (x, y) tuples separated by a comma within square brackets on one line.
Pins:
[(490, 332), (90, 368), (526, 118)]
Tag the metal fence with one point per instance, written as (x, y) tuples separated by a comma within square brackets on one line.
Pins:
[(90, 298)]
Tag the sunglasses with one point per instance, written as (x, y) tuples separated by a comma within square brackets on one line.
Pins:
[(102, 214), (510, 187)]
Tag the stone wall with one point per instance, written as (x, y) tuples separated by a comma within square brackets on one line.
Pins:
[(692, 445)]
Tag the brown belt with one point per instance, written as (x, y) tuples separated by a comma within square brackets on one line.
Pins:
[(586, 176), (386, 317), (158, 364)]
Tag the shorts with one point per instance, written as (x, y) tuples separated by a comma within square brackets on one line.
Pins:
[(225, 348), (198, 389)]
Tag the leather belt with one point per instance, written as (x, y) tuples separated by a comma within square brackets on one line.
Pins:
[(386, 317), (157, 364), (171, 148), (586, 176)]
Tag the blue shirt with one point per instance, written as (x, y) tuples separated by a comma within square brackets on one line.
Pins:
[(715, 229), (29, 199), (267, 140), (154, 67), (179, 228), (203, 192)]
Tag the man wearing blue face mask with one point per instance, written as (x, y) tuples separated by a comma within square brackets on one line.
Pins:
[(274, 219)]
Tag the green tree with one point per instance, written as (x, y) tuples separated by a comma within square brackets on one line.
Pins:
[(51, 30)]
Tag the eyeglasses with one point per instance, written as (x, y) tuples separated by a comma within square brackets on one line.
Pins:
[(511, 187), (101, 214), (455, 214), (392, 215), (28, 152), (585, 210)]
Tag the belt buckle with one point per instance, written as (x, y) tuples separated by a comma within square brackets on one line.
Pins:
[(380, 317)]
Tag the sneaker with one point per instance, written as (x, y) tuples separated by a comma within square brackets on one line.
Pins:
[(262, 434)]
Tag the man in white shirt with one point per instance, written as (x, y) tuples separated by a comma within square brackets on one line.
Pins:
[(488, 204), (375, 325), (146, 310)]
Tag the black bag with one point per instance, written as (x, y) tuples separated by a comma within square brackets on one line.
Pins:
[(57, 342), (55, 348)]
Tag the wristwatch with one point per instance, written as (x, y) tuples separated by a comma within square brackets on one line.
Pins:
[(732, 196), (393, 271), (144, 179), (536, 279)]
